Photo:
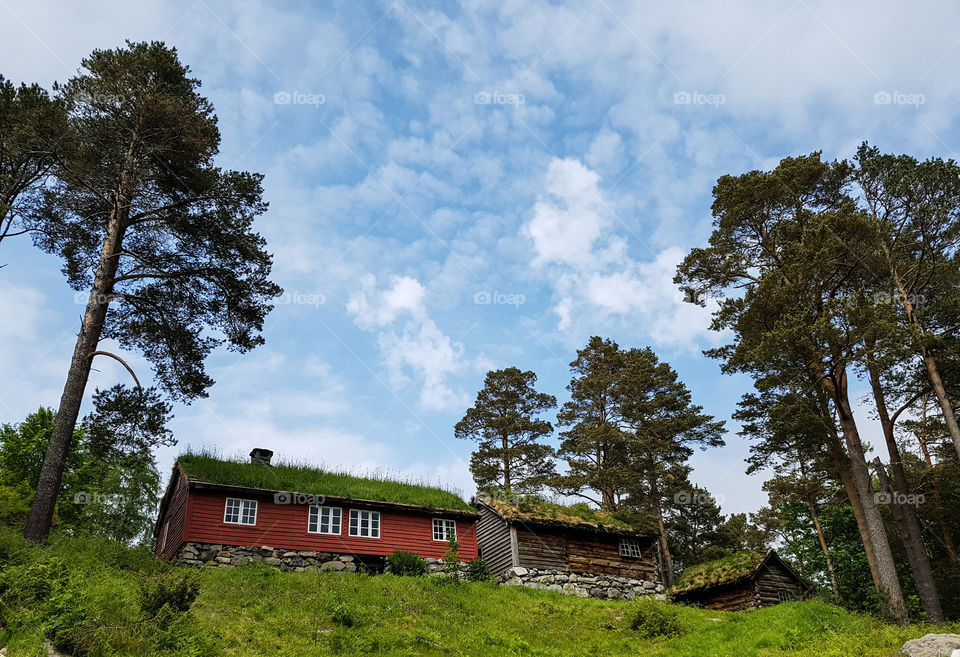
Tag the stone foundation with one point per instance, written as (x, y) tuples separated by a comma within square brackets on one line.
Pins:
[(582, 585), (219, 556), (212, 555)]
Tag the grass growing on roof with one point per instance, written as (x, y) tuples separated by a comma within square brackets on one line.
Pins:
[(535, 508), (728, 568), (307, 478)]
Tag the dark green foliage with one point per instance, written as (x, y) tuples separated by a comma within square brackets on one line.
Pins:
[(174, 590), (479, 571), (110, 484), (32, 127), (653, 619), (451, 559), (405, 563), (504, 421)]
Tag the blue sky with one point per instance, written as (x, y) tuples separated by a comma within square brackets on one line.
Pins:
[(456, 187)]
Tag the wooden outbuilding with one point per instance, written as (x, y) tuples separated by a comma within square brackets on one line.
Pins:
[(746, 580), (547, 536)]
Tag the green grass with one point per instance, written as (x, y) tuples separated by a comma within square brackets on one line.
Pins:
[(307, 478), (534, 508), (725, 569), (256, 610)]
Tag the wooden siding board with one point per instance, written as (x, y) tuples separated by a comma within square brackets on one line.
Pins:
[(493, 536), (285, 526)]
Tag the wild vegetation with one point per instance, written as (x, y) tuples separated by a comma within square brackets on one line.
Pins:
[(102, 599)]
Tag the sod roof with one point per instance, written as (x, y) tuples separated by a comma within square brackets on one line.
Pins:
[(545, 512), (309, 479), (719, 571)]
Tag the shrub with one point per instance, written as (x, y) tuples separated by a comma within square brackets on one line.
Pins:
[(342, 613), (479, 571), (451, 559), (178, 591), (406, 563), (652, 618)]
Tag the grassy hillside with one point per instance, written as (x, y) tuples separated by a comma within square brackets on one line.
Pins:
[(87, 592)]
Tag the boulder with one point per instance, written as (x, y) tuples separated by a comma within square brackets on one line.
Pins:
[(932, 645), (333, 565), (518, 571)]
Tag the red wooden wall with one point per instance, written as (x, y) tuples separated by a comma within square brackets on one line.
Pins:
[(285, 526), (175, 515)]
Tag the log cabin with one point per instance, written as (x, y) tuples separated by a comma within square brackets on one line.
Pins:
[(746, 580), (222, 512), (550, 537)]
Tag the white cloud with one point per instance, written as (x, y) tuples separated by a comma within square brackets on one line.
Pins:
[(410, 341)]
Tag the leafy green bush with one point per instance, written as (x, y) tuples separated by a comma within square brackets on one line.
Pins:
[(406, 563), (178, 591), (479, 571), (343, 614), (652, 619)]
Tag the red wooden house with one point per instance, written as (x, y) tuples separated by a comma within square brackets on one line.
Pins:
[(217, 512)]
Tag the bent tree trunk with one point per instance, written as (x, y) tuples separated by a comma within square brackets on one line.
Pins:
[(48, 486), (904, 514), (888, 584)]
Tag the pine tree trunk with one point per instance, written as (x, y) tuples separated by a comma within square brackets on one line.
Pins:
[(905, 515), (506, 465), (668, 575), (929, 362), (937, 500), (842, 465), (48, 486), (887, 583)]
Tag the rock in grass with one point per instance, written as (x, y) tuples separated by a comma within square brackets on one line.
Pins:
[(932, 645)]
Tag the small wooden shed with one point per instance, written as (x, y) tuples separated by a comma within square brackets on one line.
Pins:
[(572, 539), (746, 580)]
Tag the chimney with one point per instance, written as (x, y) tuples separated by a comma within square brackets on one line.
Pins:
[(260, 456)]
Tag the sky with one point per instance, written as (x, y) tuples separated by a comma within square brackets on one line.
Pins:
[(456, 187)]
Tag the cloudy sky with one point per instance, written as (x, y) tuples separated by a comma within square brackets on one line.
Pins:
[(456, 187)]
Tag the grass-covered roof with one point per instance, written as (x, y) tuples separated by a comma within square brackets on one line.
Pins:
[(727, 569), (310, 479), (536, 509)]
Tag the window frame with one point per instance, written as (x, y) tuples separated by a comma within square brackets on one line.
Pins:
[(244, 505), (166, 530), (320, 509), (373, 520), (445, 526), (633, 549), (784, 596)]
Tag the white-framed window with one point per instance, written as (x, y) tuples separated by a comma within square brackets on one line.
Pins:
[(324, 520), (444, 529), (630, 547), (163, 543), (365, 523), (240, 512)]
